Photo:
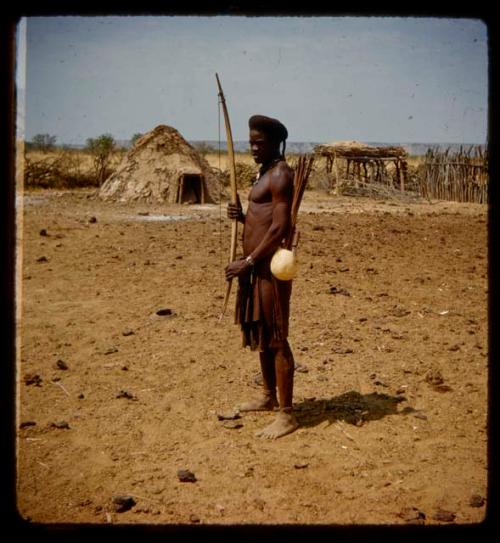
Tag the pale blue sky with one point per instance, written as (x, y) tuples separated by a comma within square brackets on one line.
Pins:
[(326, 78)]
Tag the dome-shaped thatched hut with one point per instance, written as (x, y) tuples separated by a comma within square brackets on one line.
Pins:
[(162, 167)]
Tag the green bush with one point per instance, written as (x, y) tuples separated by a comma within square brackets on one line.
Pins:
[(101, 149)]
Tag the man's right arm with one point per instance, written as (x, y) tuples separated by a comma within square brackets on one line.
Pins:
[(235, 211)]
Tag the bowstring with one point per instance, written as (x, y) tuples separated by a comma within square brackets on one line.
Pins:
[(220, 186)]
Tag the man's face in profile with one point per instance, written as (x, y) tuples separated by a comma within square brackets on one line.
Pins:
[(262, 148)]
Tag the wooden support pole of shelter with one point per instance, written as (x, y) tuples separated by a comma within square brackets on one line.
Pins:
[(337, 174), (404, 169), (329, 164), (399, 175), (402, 176)]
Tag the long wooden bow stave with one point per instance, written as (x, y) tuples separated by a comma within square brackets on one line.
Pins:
[(234, 190)]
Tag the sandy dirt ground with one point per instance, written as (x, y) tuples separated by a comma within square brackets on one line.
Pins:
[(124, 372)]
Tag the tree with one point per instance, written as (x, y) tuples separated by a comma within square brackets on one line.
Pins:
[(43, 142), (134, 138), (101, 149)]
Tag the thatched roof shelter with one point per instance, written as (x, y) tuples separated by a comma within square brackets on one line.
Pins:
[(356, 155), (356, 149), (162, 167)]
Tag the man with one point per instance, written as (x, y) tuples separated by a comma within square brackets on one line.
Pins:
[(263, 302)]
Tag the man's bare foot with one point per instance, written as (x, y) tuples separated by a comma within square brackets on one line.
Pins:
[(264, 403), (285, 423)]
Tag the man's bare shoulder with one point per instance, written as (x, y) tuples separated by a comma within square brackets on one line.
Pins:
[(284, 169), (281, 176)]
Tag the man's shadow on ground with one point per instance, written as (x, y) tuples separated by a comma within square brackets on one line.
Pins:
[(352, 407)]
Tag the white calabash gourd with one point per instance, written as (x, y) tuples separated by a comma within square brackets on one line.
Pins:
[(284, 264)]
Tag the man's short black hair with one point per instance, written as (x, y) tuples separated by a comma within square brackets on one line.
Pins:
[(272, 127)]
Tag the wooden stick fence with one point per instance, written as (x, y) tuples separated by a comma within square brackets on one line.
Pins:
[(461, 176)]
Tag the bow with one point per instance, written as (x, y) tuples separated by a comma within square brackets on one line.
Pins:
[(234, 189)]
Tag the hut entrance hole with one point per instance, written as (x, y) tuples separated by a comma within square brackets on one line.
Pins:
[(191, 189)]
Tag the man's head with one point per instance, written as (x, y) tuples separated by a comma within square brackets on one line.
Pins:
[(266, 135)]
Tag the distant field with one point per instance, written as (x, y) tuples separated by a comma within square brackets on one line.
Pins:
[(246, 158), (83, 160), (78, 159), (75, 168), (213, 159)]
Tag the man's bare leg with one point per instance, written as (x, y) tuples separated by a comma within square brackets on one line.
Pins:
[(285, 421), (267, 399)]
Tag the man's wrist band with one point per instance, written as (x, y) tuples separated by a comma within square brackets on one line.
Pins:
[(249, 260)]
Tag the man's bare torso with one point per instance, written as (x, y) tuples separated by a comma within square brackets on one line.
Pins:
[(259, 215)]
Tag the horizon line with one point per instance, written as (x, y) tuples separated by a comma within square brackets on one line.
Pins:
[(316, 142)]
